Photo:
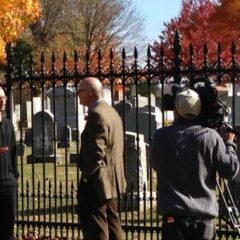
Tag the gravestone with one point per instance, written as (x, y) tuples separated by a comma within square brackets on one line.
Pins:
[(17, 108), (72, 115), (37, 105), (20, 149), (107, 95), (17, 119), (44, 146), (136, 162), (64, 107), (142, 101), (147, 122), (66, 137), (136, 171), (146, 119), (27, 111), (121, 107), (26, 115)]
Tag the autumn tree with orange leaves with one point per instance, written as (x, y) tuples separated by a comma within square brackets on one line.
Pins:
[(193, 25), (200, 22), (225, 21), (15, 15)]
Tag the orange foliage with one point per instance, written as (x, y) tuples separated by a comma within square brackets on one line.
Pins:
[(15, 15), (193, 26), (226, 20), (199, 22)]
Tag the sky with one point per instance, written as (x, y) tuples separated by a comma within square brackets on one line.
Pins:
[(155, 13)]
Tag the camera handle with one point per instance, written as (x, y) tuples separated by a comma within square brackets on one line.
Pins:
[(232, 211)]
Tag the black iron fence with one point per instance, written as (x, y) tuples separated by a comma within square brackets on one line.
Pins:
[(43, 105)]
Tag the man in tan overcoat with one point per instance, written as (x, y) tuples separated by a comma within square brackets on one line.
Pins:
[(101, 164)]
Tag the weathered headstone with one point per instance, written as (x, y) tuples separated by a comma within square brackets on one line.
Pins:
[(21, 147), (17, 112), (37, 104), (136, 162), (44, 145), (66, 137), (146, 119), (64, 107), (26, 116), (123, 107), (142, 101), (107, 95)]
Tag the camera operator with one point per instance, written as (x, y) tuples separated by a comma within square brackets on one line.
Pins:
[(186, 157)]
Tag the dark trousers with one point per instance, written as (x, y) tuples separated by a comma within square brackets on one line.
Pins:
[(7, 214), (186, 228), (99, 220)]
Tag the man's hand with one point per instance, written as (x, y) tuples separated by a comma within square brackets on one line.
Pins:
[(3, 149), (228, 136)]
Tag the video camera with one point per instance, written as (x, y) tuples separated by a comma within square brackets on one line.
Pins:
[(214, 112)]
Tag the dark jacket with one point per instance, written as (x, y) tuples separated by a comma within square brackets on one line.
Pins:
[(8, 160), (186, 158)]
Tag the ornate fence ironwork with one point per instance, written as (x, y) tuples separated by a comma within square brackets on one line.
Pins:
[(47, 190)]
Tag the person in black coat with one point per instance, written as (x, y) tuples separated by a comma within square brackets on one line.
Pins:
[(8, 174)]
